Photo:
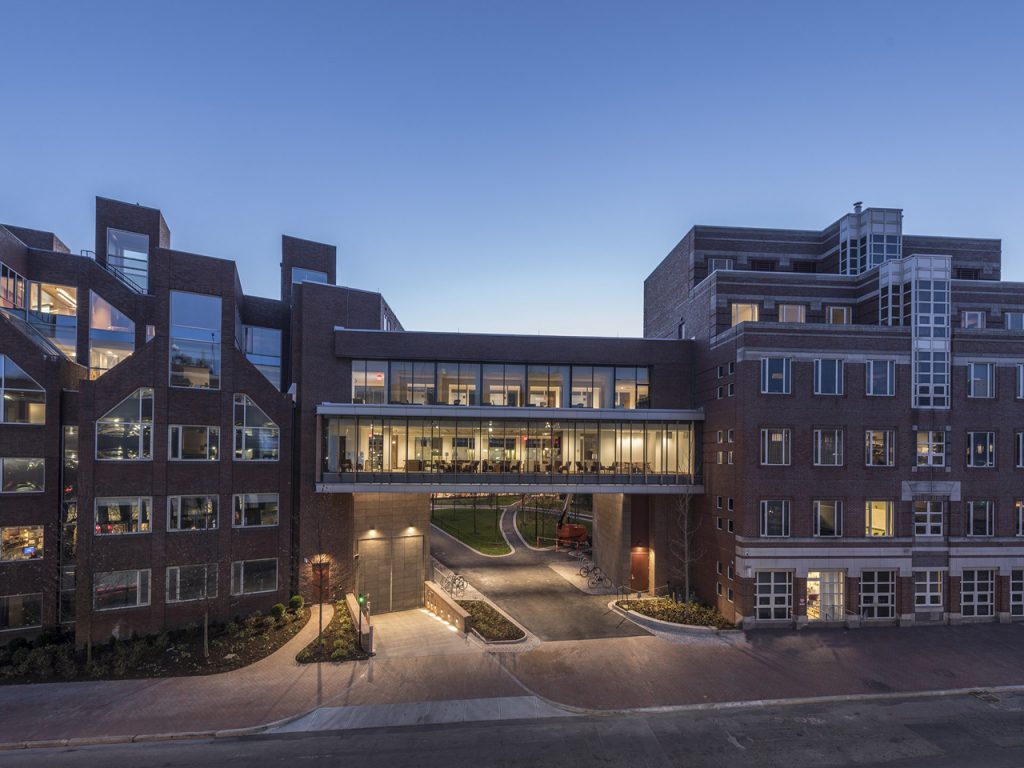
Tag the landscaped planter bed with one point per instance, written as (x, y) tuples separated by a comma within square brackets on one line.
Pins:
[(233, 645), (684, 614), (489, 623), (340, 641)]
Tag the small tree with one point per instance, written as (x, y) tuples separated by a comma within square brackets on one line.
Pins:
[(318, 518), (684, 548)]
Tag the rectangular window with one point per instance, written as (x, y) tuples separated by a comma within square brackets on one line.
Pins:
[(370, 381), (731, 436), (303, 275), (972, 319), (828, 447), (775, 518), (745, 313), (881, 378), (981, 449), (191, 582), (880, 448), (22, 475), (878, 594), (21, 611), (195, 340), (249, 577), (122, 515), (21, 542), (775, 447), (715, 264), (111, 335), (828, 518), (194, 443), (980, 518), (120, 589), (928, 589), (792, 313), (1020, 449), (1017, 593), (928, 518), (828, 377), (978, 593), (878, 519), (255, 510), (192, 513), (838, 316), (1020, 381), (1019, 514), (773, 594), (981, 380), (1013, 321), (931, 449), (775, 375)]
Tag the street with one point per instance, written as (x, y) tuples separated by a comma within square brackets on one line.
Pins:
[(962, 731)]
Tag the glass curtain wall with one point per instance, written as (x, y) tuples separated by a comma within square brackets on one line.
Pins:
[(53, 311), (111, 335), (508, 385), (468, 446)]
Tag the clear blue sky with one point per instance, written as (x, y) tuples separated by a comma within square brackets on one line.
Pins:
[(516, 166)]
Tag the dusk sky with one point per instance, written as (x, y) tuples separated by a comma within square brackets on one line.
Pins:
[(514, 167)]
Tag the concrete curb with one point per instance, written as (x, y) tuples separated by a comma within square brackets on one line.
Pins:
[(648, 622), (665, 709), (475, 551), (515, 527)]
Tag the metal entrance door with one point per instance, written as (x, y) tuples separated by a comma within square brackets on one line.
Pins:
[(826, 595), (391, 572)]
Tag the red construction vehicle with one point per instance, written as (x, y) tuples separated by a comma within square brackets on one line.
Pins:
[(570, 534)]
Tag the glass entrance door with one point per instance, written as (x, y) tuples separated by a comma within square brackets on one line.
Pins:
[(826, 595)]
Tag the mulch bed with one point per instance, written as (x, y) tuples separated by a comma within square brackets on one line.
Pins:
[(52, 657), (678, 613), (340, 640), (489, 623)]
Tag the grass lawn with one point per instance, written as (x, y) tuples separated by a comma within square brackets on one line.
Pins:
[(477, 528), (678, 613), (489, 623), (236, 644), (340, 640), (545, 525)]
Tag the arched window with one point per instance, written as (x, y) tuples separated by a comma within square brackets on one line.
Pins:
[(257, 438), (125, 433), (24, 401)]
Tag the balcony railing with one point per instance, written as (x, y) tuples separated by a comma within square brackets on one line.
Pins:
[(117, 273)]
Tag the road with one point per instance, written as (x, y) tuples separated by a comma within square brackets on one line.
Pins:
[(961, 731), (533, 594)]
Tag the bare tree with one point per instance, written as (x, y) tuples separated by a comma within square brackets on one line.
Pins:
[(684, 548), (319, 569)]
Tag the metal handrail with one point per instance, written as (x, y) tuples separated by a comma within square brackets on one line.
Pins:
[(117, 273)]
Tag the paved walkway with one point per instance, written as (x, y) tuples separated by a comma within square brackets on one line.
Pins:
[(524, 585)]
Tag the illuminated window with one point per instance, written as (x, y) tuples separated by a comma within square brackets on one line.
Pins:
[(792, 313), (192, 513), (195, 340), (838, 315), (128, 255), (256, 510), (981, 449), (21, 542), (931, 449), (878, 518), (775, 447), (194, 443), (123, 515), (111, 335), (19, 475), (745, 313), (880, 448)]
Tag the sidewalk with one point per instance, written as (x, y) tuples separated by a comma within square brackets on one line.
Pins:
[(606, 674)]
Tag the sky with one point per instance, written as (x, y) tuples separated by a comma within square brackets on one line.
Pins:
[(514, 167)]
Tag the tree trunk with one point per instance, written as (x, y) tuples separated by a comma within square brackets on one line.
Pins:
[(206, 631)]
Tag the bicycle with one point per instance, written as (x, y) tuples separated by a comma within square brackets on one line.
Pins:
[(586, 568), (598, 578)]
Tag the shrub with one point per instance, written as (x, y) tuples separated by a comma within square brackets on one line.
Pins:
[(295, 603), (278, 611), (231, 628)]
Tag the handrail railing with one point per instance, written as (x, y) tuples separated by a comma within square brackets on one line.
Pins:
[(117, 273), (14, 316)]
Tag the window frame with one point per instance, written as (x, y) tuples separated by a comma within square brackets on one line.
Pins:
[(989, 518), (818, 442), (745, 307), (934, 593), (173, 573), (784, 521), (888, 447), (973, 392), (215, 516), (775, 600), (840, 376), (982, 602), (239, 567), (767, 375), (890, 518), (239, 513), (800, 310), (883, 601), (989, 454), (890, 378), (929, 521), (141, 507), (837, 519), (239, 430), (3, 472), (845, 313), (39, 551), (177, 446), (766, 444), (147, 429), (4, 389), (138, 588), (935, 456)]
